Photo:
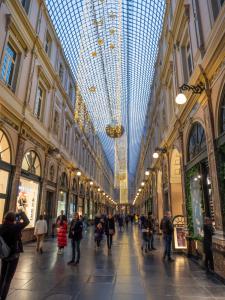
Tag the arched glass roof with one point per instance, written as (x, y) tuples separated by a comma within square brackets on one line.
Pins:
[(111, 46)]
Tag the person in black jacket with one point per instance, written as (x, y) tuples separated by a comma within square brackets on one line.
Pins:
[(75, 234), (167, 228), (207, 244), (109, 230), (10, 231)]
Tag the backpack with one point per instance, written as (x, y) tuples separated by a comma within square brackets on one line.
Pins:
[(4, 249)]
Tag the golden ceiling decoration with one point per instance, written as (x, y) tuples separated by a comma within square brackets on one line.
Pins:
[(100, 42), (112, 31), (114, 130), (112, 15), (94, 54), (111, 46), (92, 89)]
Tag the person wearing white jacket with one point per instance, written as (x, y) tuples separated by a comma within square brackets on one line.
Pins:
[(40, 231)]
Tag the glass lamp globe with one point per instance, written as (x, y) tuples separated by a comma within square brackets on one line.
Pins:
[(147, 173), (181, 99), (155, 155)]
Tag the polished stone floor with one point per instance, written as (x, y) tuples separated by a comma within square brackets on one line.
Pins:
[(123, 274)]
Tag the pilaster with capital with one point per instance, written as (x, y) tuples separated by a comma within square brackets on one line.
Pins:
[(44, 184)]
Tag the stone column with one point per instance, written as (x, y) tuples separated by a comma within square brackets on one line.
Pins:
[(182, 170), (44, 184), (17, 172)]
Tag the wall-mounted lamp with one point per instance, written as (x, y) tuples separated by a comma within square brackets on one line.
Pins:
[(78, 173), (91, 182), (143, 183), (157, 151), (196, 89)]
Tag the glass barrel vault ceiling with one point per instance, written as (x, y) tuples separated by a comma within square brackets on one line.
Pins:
[(111, 46)]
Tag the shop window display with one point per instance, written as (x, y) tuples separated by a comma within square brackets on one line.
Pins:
[(61, 202), (28, 198)]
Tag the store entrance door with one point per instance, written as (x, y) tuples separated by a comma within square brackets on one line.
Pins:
[(49, 207)]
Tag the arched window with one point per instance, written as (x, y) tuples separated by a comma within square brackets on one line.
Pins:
[(222, 115), (31, 163), (5, 152), (197, 141), (64, 181)]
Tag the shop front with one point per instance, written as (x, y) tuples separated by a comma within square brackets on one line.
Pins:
[(73, 198), (198, 184), (5, 173), (220, 143), (63, 195), (81, 200), (30, 187)]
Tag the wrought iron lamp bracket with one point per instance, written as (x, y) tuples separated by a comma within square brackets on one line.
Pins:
[(196, 89)]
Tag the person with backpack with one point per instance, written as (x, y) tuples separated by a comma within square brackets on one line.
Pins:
[(166, 226), (39, 231), (10, 235), (75, 234)]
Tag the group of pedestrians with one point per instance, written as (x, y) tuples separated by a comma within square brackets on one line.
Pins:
[(13, 224), (104, 225), (147, 225)]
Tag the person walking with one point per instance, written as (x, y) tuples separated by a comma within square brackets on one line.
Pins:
[(151, 221), (10, 232), (61, 232), (127, 218), (39, 231), (75, 234), (166, 226), (145, 235), (120, 222), (98, 234), (207, 244), (109, 229)]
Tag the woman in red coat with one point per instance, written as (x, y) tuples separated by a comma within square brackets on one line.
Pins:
[(61, 234)]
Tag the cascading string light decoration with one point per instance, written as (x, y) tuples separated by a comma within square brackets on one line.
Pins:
[(94, 33)]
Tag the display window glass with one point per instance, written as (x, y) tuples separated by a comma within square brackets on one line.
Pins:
[(31, 163), (196, 196), (27, 199), (61, 203), (4, 176), (2, 205)]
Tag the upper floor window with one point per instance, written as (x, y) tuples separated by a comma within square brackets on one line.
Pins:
[(189, 59), (61, 72), (5, 152), (197, 141), (9, 67), (66, 137), (48, 44), (216, 6), (26, 5), (39, 102), (56, 122)]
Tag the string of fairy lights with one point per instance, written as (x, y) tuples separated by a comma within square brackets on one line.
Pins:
[(111, 46)]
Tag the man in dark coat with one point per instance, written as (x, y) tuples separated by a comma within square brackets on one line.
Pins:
[(207, 243), (167, 228), (75, 234), (109, 230)]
